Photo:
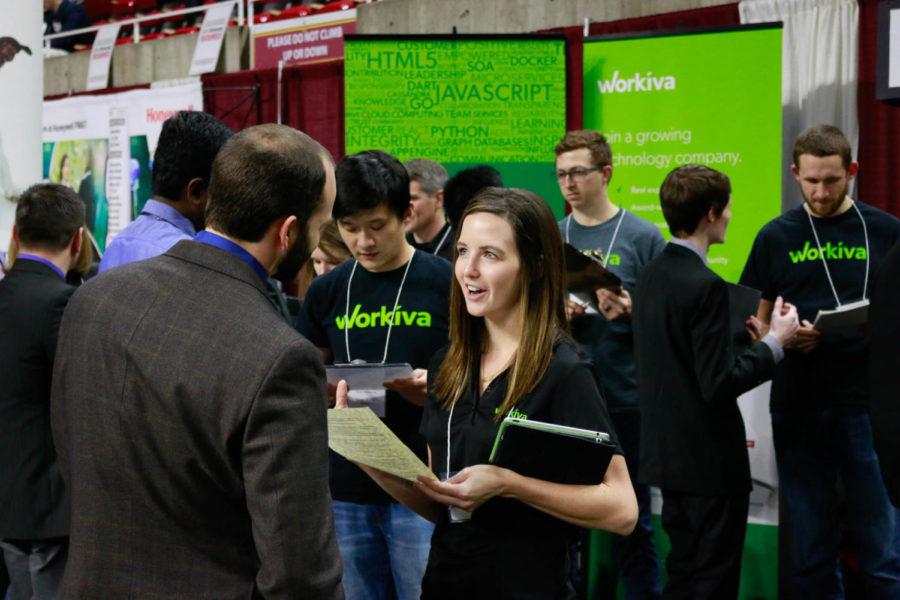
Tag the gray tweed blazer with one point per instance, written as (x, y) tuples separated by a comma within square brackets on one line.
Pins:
[(190, 424)]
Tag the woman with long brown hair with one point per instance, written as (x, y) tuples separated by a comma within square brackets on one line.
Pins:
[(500, 534)]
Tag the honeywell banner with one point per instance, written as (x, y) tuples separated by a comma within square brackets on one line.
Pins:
[(713, 98), (102, 147)]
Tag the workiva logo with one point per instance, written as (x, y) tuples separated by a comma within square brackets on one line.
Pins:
[(637, 83), (830, 251)]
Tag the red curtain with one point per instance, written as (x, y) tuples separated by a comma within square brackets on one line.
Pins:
[(879, 124), (312, 100)]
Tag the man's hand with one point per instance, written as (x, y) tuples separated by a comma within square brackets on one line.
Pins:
[(807, 338), (574, 310), (341, 391), (756, 328), (785, 324), (413, 389), (614, 306)]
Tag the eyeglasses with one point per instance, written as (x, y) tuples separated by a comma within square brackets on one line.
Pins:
[(577, 174)]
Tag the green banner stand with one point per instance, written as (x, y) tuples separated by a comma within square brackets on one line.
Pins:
[(711, 97), (460, 100)]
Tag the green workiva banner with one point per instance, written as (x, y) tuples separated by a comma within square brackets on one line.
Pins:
[(710, 98), (460, 101)]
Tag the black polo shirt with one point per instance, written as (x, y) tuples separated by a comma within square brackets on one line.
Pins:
[(514, 544)]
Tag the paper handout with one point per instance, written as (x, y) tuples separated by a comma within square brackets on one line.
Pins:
[(360, 436)]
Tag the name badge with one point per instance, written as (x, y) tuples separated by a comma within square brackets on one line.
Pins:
[(457, 515)]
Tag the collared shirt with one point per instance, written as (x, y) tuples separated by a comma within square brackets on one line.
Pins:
[(769, 340), (217, 241), (42, 260), (690, 246), (157, 228)]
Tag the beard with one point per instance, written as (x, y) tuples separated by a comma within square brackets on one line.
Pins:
[(293, 260), (831, 208)]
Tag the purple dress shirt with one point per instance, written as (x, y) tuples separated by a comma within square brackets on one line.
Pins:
[(42, 260), (157, 228)]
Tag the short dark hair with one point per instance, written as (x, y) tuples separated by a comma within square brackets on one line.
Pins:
[(594, 141), (688, 193), (262, 174), (464, 186), (187, 145), (48, 215), (823, 140), (369, 179)]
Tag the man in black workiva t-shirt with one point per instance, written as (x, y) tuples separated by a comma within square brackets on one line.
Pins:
[(823, 255), (389, 304)]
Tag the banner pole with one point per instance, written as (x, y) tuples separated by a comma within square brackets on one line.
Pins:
[(280, 72)]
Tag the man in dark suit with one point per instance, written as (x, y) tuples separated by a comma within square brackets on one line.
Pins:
[(34, 505), (884, 369), (693, 444), (189, 417)]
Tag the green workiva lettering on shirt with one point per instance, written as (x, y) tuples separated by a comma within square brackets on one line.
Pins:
[(614, 259), (515, 413), (830, 251), (383, 317)]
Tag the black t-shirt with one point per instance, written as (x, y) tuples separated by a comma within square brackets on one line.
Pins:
[(420, 329), (785, 261), (441, 245), (504, 531)]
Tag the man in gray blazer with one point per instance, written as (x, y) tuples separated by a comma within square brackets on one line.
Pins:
[(188, 416)]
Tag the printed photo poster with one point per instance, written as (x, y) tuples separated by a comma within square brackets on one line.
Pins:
[(22, 87), (102, 147), (461, 101)]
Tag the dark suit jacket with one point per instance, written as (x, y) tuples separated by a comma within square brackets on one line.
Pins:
[(884, 369), (33, 501), (692, 433), (190, 422)]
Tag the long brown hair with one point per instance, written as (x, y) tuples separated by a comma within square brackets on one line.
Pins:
[(540, 296)]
